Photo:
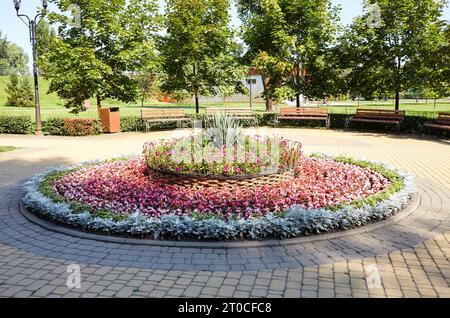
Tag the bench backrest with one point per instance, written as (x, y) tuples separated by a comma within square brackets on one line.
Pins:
[(162, 113), (304, 112), (380, 114), (444, 119), (236, 112)]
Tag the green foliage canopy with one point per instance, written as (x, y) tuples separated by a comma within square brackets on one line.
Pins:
[(97, 56)]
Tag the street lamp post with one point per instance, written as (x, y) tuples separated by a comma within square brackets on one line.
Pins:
[(251, 91), (32, 25)]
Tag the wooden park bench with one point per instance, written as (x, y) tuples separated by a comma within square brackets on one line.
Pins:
[(378, 116), (237, 113), (442, 123), (163, 115), (314, 114)]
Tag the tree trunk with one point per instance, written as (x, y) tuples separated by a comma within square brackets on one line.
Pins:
[(196, 89), (298, 80), (269, 101), (197, 104), (397, 99), (269, 105), (398, 84), (99, 104)]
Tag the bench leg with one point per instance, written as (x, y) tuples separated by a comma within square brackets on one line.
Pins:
[(421, 129), (347, 123)]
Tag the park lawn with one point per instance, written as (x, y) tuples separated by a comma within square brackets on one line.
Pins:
[(47, 100), (52, 106), (6, 148), (134, 110)]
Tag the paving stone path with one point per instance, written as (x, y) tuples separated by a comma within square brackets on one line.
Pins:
[(407, 256)]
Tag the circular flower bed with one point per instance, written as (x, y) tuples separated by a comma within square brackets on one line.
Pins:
[(118, 197)]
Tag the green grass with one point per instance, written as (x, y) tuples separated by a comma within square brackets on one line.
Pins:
[(6, 148), (52, 106)]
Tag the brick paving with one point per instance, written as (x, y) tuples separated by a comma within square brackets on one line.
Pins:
[(406, 257)]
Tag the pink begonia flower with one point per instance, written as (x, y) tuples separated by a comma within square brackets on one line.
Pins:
[(124, 187)]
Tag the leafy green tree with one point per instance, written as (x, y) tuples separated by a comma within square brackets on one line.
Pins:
[(392, 57), (197, 50), (266, 34), (149, 81), (13, 59), (313, 24), (97, 56), (45, 34), (435, 75)]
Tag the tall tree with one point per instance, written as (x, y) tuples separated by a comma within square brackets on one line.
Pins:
[(265, 32), (13, 59), (391, 55), (436, 70), (197, 50), (45, 34), (97, 56), (313, 24)]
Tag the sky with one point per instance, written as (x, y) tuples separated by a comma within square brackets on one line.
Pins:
[(17, 31)]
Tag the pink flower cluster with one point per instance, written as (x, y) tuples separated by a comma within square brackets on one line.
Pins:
[(124, 187), (196, 156)]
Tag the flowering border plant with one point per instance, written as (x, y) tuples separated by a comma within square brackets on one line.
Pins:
[(294, 221)]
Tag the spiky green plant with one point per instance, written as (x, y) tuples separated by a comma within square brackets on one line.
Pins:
[(223, 130)]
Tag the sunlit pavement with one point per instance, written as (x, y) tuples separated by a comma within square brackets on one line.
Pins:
[(408, 257)]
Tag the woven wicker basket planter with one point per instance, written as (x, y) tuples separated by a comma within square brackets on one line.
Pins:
[(267, 178), (222, 181)]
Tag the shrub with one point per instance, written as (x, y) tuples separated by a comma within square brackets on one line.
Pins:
[(72, 127), (132, 124), (411, 125), (136, 124), (82, 127), (55, 127), (21, 125), (268, 119)]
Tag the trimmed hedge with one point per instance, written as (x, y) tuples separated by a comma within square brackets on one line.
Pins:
[(20, 125), (136, 124), (55, 127), (132, 124), (411, 125), (72, 127), (87, 127)]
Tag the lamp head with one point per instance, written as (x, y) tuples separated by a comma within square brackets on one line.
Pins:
[(17, 4), (45, 4)]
